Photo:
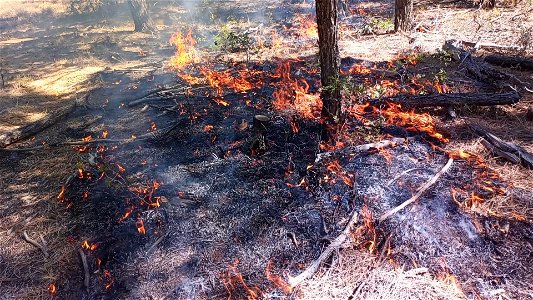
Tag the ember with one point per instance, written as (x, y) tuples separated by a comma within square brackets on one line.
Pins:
[(52, 289)]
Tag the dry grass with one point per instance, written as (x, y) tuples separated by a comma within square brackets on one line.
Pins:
[(358, 275), (29, 8)]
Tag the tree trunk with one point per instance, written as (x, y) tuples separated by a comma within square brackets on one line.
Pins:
[(488, 4), (141, 18), (403, 15), (326, 15)]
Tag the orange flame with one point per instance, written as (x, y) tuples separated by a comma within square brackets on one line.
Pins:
[(335, 168), (89, 246), (277, 280), (61, 195), (127, 213), (121, 169), (104, 134), (109, 280), (307, 26), (293, 94), (232, 279), (52, 289), (140, 225), (185, 51)]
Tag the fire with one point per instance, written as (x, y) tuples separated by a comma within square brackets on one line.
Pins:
[(234, 282), (153, 126), (121, 169), (185, 51), (61, 195), (104, 134), (140, 225), (89, 246), (277, 280), (225, 79), (335, 168), (208, 128), (87, 138), (293, 94), (221, 102), (127, 213), (412, 121), (307, 26), (108, 279), (52, 289)]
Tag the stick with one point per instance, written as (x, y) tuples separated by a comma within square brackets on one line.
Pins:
[(36, 244), (151, 136), (361, 148), (421, 191), (335, 245), (85, 269), (33, 128), (159, 240)]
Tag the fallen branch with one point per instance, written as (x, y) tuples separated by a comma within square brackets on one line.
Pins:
[(452, 99), (421, 191), (510, 62), (33, 128), (507, 150), (151, 136), (362, 148), (36, 244), (157, 242), (334, 246), (86, 273)]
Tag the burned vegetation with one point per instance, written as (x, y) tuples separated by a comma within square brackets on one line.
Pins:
[(201, 170)]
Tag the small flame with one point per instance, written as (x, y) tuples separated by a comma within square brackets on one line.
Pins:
[(140, 225), (108, 279), (88, 246), (233, 280), (153, 126), (277, 280), (121, 169), (61, 195), (52, 289), (104, 134)]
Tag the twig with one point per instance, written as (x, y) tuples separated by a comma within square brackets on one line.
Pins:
[(421, 191), (157, 242), (401, 174), (335, 245), (361, 148), (85, 270), (36, 244)]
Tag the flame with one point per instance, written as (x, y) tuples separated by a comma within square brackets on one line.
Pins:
[(87, 138), (307, 26), (89, 246), (121, 169), (52, 289), (108, 279), (225, 79), (104, 134), (293, 94), (233, 280), (335, 168), (61, 195), (277, 280), (221, 102), (153, 126), (140, 225), (208, 128), (127, 213), (185, 51)]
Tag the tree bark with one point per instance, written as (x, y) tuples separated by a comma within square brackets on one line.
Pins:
[(326, 15), (488, 4), (402, 14), (141, 17)]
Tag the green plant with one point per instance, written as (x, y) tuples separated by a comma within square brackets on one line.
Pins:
[(340, 84), (231, 40), (441, 76), (381, 23)]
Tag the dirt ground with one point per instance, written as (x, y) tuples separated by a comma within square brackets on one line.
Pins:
[(223, 222)]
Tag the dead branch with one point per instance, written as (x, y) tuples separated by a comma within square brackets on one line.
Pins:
[(452, 99), (481, 71), (86, 273), (510, 62), (157, 242), (361, 148), (334, 246), (507, 150), (37, 126), (36, 244), (151, 136), (421, 191)]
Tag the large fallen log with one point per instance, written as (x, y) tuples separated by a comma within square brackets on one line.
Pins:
[(33, 128), (507, 150), (510, 62), (452, 99)]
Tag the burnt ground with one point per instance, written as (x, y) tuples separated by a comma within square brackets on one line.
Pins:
[(217, 210)]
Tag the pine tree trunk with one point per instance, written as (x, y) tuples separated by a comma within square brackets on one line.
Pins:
[(326, 14), (402, 15), (141, 18), (488, 4)]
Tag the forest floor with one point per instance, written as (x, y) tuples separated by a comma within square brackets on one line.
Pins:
[(208, 210)]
